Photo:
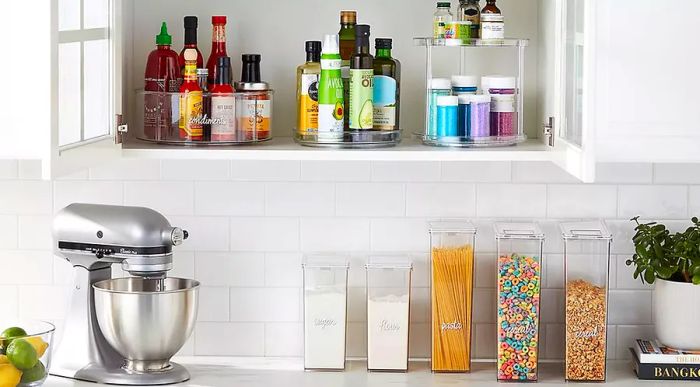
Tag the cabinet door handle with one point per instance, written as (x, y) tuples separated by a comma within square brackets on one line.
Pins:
[(122, 129), (549, 131)]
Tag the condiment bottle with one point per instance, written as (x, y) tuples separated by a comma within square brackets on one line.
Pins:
[(202, 81), (191, 103), (469, 10), (190, 42), (361, 81), (441, 18), (254, 108), (492, 22), (307, 89), (387, 87), (348, 21), (223, 103), (162, 75), (218, 46), (331, 108)]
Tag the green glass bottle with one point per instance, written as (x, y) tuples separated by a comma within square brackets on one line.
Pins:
[(387, 87), (361, 81), (348, 20)]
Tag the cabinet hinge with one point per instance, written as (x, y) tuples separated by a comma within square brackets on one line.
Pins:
[(549, 131), (122, 129)]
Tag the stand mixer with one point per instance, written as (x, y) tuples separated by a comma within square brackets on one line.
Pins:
[(122, 331)]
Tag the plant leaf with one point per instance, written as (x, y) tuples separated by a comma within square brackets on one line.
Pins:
[(696, 279), (649, 276)]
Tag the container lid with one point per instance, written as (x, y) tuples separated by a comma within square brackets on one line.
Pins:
[(251, 86), (518, 231), (439, 83), (348, 17), (460, 226), (164, 39), (330, 44), (444, 4), (447, 100), (325, 262), (497, 82), (596, 229), (465, 81), (218, 19), (480, 98), (492, 17), (398, 262)]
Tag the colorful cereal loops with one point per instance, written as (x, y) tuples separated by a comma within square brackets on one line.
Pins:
[(518, 317), (586, 316)]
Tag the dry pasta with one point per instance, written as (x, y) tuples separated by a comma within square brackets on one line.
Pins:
[(451, 300)]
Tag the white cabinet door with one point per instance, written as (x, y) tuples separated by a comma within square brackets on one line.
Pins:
[(86, 68), (649, 82)]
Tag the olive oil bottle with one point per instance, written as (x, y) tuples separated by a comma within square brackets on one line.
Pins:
[(348, 20), (361, 81), (387, 87)]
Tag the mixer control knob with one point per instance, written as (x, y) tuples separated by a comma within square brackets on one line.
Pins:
[(177, 236), (99, 255)]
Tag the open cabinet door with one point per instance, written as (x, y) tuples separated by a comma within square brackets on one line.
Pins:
[(571, 131), (86, 70)]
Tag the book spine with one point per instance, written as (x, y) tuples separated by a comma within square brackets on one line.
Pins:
[(668, 371)]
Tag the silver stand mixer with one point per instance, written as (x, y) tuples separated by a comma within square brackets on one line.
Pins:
[(122, 331)]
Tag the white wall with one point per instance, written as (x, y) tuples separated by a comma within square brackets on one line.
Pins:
[(251, 222)]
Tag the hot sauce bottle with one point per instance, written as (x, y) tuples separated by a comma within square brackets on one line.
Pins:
[(223, 103), (218, 46), (191, 101), (162, 76), (190, 42)]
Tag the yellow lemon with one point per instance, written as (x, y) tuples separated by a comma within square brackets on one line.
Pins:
[(38, 344), (4, 359), (9, 375)]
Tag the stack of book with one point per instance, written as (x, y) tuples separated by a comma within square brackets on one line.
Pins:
[(653, 361)]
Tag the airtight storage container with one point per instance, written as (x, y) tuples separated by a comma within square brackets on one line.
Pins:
[(388, 310), (519, 276), (586, 274), (451, 290), (325, 312)]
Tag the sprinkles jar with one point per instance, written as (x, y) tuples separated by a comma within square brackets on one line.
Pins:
[(519, 276)]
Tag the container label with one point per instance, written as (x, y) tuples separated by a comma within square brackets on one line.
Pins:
[(223, 115), (191, 107), (254, 115), (501, 104), (361, 94), (385, 92), (308, 105), (331, 64), (492, 30)]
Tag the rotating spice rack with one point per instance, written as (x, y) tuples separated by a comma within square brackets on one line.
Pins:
[(250, 122), (353, 139), (467, 141)]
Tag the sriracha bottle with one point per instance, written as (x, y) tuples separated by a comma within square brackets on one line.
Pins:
[(162, 76)]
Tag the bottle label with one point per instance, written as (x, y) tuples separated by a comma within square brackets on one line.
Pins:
[(191, 108), (331, 108), (331, 64), (439, 27), (503, 104), (223, 115), (361, 94), (254, 114), (385, 92), (308, 105)]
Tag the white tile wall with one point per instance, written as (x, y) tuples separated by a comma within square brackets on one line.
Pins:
[(251, 222)]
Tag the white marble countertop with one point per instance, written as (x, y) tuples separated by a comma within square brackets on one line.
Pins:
[(273, 372)]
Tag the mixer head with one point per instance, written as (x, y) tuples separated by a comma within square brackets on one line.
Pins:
[(95, 236)]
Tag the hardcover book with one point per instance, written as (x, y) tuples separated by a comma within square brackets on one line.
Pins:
[(664, 371), (649, 351)]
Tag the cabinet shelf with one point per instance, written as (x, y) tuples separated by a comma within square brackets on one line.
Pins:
[(422, 42)]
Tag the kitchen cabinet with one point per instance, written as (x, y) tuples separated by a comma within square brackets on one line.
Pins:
[(99, 49)]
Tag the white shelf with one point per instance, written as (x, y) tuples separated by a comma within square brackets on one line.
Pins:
[(284, 148)]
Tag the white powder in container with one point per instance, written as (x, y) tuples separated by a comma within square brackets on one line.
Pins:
[(324, 329), (387, 332)]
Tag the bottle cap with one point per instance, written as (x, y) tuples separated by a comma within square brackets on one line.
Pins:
[(330, 44), (251, 86), (362, 31), (444, 4), (440, 83), (382, 43), (312, 46), (218, 20), (348, 17), (190, 22), (465, 81), (190, 55), (250, 58), (497, 82), (223, 71), (163, 39), (447, 100)]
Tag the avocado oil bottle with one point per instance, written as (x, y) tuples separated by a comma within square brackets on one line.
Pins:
[(361, 81), (387, 87)]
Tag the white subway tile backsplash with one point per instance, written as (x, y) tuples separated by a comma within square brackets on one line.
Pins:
[(30, 169), (419, 341), (335, 235), (476, 172), (167, 197), (551, 305), (356, 340), (540, 172), (9, 300), (8, 169), (511, 200), (127, 169), (43, 302), (96, 192), (264, 234), (229, 198), (668, 202), (440, 200), (695, 201), (333, 171), (35, 232), (484, 307), (300, 199), (27, 267), (187, 170), (213, 304), (205, 233), (183, 265), (627, 334), (8, 231), (63, 271), (485, 270), (284, 339), (420, 305), (420, 276), (283, 270), (357, 304), (623, 173), (265, 170), (673, 173), (580, 201), (484, 341), (370, 199), (230, 269), (405, 171), (265, 304), (25, 197), (555, 335), (630, 307), (399, 235), (625, 275), (229, 339)]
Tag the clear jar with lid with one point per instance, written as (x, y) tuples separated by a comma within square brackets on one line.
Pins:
[(441, 18), (437, 87), (470, 11), (504, 104)]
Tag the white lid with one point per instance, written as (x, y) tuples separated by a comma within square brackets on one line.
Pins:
[(492, 17), (465, 99), (480, 98), (330, 44), (465, 81), (447, 100), (440, 83), (497, 82)]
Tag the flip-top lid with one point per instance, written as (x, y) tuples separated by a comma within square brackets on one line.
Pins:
[(518, 231), (596, 229)]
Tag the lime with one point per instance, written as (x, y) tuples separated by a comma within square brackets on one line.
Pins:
[(11, 333), (22, 354), (38, 372)]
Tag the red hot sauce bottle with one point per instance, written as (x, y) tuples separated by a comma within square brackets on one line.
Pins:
[(162, 76), (218, 46)]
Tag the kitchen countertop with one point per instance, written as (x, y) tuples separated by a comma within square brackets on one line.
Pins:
[(273, 372)]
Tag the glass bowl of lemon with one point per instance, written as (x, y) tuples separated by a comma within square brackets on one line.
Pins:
[(25, 352)]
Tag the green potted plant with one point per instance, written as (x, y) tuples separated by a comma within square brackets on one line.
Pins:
[(672, 262)]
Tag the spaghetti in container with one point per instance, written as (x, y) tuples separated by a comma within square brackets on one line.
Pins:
[(518, 280), (451, 294)]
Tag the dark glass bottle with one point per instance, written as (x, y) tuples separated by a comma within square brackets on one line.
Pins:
[(361, 81), (491, 7), (387, 87), (191, 42), (346, 35)]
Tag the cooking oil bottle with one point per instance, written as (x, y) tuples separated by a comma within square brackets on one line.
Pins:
[(307, 90)]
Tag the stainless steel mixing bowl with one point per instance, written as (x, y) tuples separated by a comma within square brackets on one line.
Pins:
[(147, 327)]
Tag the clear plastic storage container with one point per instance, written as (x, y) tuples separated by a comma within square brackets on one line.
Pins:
[(586, 271), (325, 312), (519, 276), (388, 310), (451, 294)]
